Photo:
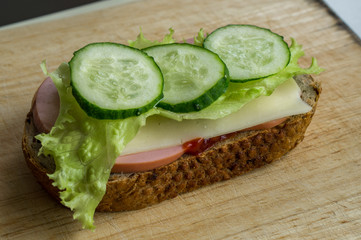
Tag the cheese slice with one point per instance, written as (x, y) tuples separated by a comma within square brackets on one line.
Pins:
[(160, 132)]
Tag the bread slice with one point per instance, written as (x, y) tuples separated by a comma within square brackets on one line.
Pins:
[(228, 158)]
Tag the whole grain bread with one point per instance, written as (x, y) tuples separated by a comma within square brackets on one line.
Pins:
[(228, 158)]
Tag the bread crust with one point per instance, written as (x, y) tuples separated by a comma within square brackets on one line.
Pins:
[(228, 158)]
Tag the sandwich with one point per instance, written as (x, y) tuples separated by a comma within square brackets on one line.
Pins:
[(122, 127)]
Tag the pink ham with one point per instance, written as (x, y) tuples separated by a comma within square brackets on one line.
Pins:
[(46, 106), (144, 161)]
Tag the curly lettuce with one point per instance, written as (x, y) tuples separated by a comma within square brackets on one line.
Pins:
[(142, 42), (84, 150)]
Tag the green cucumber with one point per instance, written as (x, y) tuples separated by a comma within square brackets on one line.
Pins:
[(194, 77), (250, 52), (114, 81)]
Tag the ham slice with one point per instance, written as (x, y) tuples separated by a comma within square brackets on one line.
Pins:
[(46, 106), (144, 161), (45, 110)]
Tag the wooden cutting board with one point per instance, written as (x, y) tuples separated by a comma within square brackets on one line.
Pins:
[(312, 193)]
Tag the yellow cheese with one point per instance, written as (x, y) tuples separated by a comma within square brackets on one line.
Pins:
[(161, 132)]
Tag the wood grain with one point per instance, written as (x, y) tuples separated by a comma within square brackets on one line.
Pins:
[(312, 193)]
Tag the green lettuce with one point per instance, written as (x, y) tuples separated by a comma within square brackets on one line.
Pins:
[(141, 42), (84, 150), (199, 39)]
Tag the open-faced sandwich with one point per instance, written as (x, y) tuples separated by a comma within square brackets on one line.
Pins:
[(122, 127)]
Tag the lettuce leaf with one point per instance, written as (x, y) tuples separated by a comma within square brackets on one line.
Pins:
[(199, 39), (84, 150), (238, 94), (141, 42)]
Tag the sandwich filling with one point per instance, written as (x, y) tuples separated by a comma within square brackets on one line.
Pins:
[(163, 140)]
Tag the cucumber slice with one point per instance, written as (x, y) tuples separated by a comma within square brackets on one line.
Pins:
[(194, 77), (114, 81), (250, 52)]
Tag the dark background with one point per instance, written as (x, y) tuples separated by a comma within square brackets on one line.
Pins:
[(12, 11)]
